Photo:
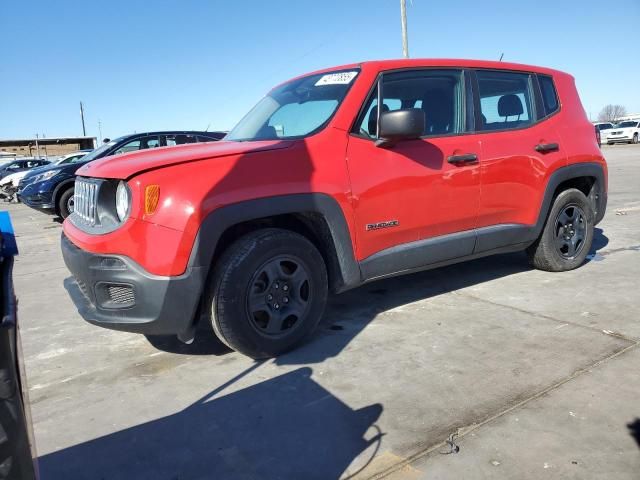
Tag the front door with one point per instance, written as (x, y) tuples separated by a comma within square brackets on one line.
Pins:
[(415, 190)]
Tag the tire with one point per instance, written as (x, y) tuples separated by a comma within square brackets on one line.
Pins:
[(635, 138), (65, 203), (250, 309), (609, 143), (567, 236)]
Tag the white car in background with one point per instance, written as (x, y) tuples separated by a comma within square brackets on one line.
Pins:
[(625, 132), (604, 128), (14, 178)]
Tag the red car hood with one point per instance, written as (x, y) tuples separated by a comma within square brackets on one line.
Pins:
[(126, 165)]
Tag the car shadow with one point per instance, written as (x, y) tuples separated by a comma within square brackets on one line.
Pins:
[(600, 240), (284, 427), (634, 430)]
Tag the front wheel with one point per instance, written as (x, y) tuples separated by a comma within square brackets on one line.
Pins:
[(268, 292), (635, 138), (567, 235), (65, 203)]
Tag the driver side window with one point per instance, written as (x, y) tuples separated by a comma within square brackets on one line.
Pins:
[(438, 93)]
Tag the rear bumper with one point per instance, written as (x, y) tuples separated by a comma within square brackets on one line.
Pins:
[(115, 292)]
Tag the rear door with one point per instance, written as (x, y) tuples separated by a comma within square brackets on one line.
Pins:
[(410, 191), (520, 146)]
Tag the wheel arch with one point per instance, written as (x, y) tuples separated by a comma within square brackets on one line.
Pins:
[(59, 190), (589, 178), (318, 217)]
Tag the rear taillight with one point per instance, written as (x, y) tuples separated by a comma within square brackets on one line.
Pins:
[(598, 136)]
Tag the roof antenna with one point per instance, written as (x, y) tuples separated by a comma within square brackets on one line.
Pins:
[(501, 55), (207, 129)]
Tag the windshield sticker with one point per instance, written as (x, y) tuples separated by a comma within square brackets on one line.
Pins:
[(342, 78)]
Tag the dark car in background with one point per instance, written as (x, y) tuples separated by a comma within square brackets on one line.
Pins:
[(51, 189), (7, 167), (17, 451)]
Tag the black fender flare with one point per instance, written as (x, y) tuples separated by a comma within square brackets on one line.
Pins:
[(218, 221), (598, 194)]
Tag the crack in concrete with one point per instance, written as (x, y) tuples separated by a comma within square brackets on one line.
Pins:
[(464, 431), (548, 317)]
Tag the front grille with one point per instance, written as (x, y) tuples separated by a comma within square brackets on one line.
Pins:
[(121, 294), (85, 201)]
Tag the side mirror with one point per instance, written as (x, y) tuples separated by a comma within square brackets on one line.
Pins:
[(397, 125)]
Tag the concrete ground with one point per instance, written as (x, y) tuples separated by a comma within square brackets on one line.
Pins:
[(537, 373)]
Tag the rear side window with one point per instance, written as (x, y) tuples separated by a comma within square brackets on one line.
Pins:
[(549, 95), (505, 99)]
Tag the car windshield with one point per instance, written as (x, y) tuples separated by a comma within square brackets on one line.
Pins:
[(296, 109), (627, 124), (97, 152)]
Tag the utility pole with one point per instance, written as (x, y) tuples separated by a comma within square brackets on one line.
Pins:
[(37, 146), (100, 132), (84, 132), (403, 18)]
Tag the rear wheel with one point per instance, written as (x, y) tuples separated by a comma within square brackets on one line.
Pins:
[(65, 203), (635, 138), (268, 292), (567, 236)]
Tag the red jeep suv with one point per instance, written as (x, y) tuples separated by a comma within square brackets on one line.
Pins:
[(334, 179)]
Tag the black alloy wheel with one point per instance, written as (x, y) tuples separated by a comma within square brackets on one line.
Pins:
[(570, 231)]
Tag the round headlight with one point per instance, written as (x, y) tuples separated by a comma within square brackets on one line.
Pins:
[(123, 201)]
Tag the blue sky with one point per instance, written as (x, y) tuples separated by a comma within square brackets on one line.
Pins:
[(192, 64)]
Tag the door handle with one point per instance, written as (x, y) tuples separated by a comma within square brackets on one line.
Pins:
[(460, 160), (547, 147)]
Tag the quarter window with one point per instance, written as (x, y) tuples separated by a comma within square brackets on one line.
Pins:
[(438, 93), (505, 99), (549, 96)]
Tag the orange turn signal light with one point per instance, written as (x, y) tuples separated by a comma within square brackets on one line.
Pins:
[(151, 198)]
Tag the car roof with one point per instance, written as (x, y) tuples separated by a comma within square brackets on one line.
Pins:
[(395, 64), (173, 132)]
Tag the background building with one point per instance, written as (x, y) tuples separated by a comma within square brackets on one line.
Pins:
[(46, 147)]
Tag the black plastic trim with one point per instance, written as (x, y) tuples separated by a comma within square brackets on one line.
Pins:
[(217, 222), (163, 305)]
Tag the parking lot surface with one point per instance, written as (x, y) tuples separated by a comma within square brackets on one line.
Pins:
[(531, 374)]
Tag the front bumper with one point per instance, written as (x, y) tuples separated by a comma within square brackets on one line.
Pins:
[(36, 198), (115, 292)]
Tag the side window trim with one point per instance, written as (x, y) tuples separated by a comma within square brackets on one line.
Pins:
[(555, 92), (468, 105)]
